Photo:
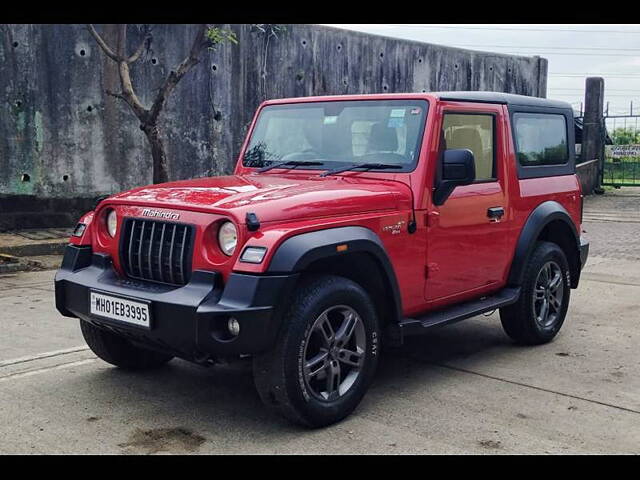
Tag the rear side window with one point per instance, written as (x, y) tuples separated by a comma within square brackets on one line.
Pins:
[(541, 139)]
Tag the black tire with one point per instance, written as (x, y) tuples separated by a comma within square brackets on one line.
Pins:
[(523, 321), (280, 376), (118, 351)]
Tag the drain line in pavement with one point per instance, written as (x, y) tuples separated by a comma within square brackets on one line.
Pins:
[(527, 386), (39, 356), (29, 373)]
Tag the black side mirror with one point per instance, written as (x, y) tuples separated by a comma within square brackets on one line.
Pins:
[(458, 168)]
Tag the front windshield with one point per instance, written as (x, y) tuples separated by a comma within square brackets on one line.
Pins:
[(338, 133)]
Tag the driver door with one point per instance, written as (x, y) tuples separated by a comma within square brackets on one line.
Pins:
[(465, 240)]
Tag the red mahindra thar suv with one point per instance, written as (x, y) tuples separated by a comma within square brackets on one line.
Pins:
[(350, 221)]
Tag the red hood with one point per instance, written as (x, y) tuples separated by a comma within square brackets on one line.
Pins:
[(273, 197)]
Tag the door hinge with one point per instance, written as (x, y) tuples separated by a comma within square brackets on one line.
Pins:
[(430, 218)]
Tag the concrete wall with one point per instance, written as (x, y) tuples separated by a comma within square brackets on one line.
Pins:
[(61, 136)]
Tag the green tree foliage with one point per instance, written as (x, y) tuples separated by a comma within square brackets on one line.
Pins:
[(217, 36), (625, 136)]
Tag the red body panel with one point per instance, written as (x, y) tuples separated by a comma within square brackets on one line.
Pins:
[(456, 253)]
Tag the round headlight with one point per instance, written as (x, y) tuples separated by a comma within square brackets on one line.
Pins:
[(227, 238), (112, 222)]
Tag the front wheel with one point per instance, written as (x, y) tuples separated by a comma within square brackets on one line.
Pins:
[(540, 311), (326, 354)]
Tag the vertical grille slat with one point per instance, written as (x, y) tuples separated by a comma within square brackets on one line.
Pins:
[(173, 239), (140, 242), (160, 266), (181, 264), (144, 255), (149, 259), (133, 227)]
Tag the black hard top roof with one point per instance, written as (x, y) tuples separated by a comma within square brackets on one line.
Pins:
[(498, 97)]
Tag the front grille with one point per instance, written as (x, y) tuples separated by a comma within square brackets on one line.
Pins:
[(156, 251)]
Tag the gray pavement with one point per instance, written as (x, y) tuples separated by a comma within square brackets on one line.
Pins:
[(461, 389)]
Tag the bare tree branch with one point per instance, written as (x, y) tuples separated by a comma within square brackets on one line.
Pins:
[(103, 45), (140, 49), (149, 117), (199, 44), (129, 94), (116, 95)]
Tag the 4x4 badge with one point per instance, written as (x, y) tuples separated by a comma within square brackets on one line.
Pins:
[(395, 228)]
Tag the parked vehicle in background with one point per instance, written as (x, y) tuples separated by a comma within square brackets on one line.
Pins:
[(350, 222)]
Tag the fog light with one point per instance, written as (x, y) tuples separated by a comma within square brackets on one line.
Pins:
[(234, 327), (253, 254)]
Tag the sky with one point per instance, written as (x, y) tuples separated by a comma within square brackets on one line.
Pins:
[(574, 51)]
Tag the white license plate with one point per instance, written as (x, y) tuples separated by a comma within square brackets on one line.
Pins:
[(117, 308)]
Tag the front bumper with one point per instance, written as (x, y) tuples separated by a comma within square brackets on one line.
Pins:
[(189, 321)]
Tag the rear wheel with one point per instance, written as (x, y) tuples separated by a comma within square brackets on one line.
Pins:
[(118, 351), (325, 356), (541, 309)]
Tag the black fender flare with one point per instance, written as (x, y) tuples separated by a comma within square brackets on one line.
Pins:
[(539, 218), (298, 252)]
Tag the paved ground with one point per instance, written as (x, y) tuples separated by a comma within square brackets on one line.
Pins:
[(32, 241), (32, 249), (462, 389)]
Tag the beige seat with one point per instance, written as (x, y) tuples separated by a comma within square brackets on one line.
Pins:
[(382, 139), (468, 137)]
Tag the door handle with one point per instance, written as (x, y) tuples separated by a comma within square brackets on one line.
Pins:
[(495, 213)]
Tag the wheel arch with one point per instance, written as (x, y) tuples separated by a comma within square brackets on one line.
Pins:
[(361, 258), (550, 222)]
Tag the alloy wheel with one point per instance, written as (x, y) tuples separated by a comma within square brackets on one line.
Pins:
[(334, 352), (548, 294)]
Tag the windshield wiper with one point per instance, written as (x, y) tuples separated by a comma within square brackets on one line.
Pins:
[(293, 163), (367, 166)]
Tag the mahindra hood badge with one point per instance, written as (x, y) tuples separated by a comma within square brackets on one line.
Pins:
[(147, 212)]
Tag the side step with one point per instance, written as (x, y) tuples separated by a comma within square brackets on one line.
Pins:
[(455, 313)]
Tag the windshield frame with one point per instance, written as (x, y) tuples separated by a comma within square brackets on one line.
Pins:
[(418, 101)]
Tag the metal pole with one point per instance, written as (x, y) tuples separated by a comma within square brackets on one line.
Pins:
[(593, 126)]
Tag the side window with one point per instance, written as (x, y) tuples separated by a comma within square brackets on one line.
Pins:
[(475, 132), (541, 139)]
